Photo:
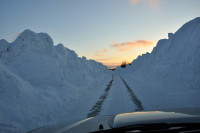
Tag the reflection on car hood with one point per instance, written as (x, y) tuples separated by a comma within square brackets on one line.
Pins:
[(152, 117), (92, 124)]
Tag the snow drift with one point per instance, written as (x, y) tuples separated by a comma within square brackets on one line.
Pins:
[(169, 76), (40, 83)]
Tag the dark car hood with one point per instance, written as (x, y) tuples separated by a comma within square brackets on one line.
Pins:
[(126, 119)]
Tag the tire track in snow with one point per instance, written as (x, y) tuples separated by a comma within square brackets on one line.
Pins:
[(134, 98), (97, 107)]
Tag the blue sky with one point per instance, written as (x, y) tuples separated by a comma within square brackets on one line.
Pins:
[(94, 27)]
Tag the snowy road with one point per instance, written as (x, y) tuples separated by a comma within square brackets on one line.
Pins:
[(97, 107), (134, 98), (117, 98)]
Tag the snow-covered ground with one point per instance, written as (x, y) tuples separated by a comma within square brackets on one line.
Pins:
[(118, 100), (169, 76), (41, 83)]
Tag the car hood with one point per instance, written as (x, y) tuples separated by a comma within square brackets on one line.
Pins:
[(107, 122)]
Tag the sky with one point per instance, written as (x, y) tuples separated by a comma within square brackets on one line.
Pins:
[(108, 31)]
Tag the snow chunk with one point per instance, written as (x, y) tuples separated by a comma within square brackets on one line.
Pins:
[(60, 48), (84, 58), (170, 35)]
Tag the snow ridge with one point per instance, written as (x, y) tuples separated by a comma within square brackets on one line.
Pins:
[(170, 73), (40, 81)]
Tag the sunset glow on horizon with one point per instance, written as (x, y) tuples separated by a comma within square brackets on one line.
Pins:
[(123, 52), (108, 31)]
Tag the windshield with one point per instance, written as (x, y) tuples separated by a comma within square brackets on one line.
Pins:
[(69, 60)]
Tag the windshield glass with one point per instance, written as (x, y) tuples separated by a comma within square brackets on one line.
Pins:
[(69, 60)]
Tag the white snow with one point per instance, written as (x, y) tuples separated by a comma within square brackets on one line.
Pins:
[(118, 100), (169, 76), (41, 83)]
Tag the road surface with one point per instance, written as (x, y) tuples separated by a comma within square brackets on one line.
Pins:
[(117, 98)]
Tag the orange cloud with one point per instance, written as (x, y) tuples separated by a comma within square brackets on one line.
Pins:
[(126, 46), (105, 51), (150, 3), (100, 53)]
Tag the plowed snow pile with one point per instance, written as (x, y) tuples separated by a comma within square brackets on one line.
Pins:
[(169, 76), (41, 83)]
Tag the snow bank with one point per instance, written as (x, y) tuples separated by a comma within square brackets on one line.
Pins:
[(169, 76), (40, 82)]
